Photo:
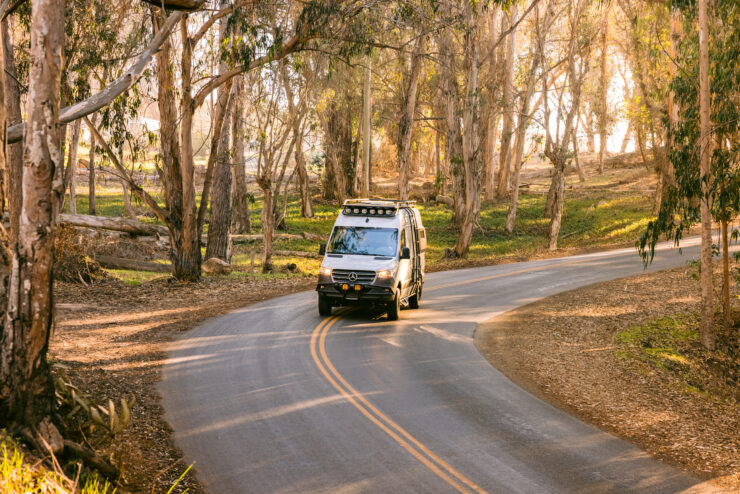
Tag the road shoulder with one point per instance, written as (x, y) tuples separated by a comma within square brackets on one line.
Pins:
[(565, 349)]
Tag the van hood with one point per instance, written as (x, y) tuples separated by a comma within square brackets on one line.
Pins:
[(359, 263)]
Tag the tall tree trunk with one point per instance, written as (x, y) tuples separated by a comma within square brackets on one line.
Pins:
[(502, 189), (588, 125), (707, 305), (268, 227), (238, 132), (170, 152), (453, 137), (91, 171), (219, 242), (366, 110), (25, 378), (523, 121), (558, 202), (471, 119), (604, 86), (726, 306), (74, 141), (303, 181), (405, 126), (333, 168), (14, 161), (490, 153), (188, 258)]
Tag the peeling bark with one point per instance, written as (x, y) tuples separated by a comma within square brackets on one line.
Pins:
[(25, 378)]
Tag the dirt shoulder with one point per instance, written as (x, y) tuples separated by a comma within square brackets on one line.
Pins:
[(113, 339), (571, 350)]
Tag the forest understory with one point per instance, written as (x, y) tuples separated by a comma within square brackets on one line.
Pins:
[(625, 356)]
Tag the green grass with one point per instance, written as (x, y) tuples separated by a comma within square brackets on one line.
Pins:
[(662, 343), (18, 477), (592, 218), (135, 278)]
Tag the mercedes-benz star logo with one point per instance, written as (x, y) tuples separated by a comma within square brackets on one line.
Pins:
[(352, 277)]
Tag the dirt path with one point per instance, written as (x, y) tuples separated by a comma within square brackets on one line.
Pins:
[(565, 349)]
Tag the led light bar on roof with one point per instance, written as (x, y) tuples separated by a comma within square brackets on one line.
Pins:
[(369, 211)]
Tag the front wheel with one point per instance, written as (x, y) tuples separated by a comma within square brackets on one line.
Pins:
[(394, 307), (324, 306), (415, 299)]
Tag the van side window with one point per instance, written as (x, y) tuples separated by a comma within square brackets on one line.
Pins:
[(403, 241)]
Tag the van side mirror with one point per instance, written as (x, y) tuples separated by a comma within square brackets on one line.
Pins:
[(322, 249), (406, 253)]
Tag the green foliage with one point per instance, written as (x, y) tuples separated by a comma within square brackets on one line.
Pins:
[(79, 409), (681, 205), (20, 477)]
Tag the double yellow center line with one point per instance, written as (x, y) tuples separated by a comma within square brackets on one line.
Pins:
[(444, 470)]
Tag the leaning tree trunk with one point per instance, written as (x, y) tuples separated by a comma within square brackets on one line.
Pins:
[(219, 244), (627, 138), (14, 162), (25, 379), (519, 150), (405, 125)]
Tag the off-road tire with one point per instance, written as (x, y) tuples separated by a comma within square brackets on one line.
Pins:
[(324, 306), (394, 307), (415, 299)]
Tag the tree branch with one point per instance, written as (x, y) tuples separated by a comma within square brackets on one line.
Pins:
[(291, 46), (177, 4), (112, 91), (218, 15), (163, 215), (8, 7)]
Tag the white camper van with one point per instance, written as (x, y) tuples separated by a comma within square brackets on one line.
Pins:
[(375, 256)]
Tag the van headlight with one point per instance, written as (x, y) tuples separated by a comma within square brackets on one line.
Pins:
[(385, 274), (325, 271)]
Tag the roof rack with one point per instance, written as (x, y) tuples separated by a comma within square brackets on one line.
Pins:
[(380, 202)]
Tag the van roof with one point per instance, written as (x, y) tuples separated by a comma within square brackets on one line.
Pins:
[(380, 202)]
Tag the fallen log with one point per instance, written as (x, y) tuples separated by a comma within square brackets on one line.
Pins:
[(248, 238), (111, 262), (116, 224), (295, 253)]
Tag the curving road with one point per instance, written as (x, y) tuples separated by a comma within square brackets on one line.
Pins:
[(272, 398)]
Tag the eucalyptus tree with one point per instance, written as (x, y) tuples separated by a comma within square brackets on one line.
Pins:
[(538, 29), (576, 52), (707, 133), (26, 387)]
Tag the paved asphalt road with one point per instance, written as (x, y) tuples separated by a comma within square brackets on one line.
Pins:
[(273, 398)]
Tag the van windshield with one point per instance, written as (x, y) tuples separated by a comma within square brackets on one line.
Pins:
[(361, 240)]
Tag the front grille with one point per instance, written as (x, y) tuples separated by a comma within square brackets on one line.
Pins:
[(343, 276)]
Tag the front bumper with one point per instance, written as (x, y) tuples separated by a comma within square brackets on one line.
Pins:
[(366, 294)]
